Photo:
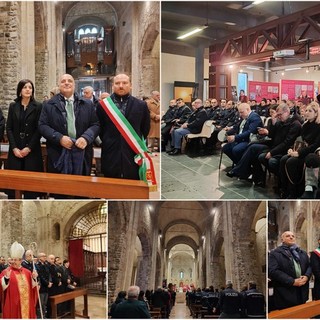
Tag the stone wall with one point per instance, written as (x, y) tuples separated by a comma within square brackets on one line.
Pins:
[(10, 52)]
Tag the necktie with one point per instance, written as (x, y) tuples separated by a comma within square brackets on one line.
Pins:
[(70, 119), (243, 122)]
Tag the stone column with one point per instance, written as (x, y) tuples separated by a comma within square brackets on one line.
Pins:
[(136, 42), (310, 237), (208, 255), (27, 40), (228, 241), (155, 242), (200, 275), (131, 242), (199, 69)]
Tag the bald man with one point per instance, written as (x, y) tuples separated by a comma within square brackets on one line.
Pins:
[(69, 122), (289, 271), (239, 135), (117, 157)]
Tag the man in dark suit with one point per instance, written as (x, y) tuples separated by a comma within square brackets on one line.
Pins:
[(239, 135), (194, 124), (69, 123), (117, 157), (289, 269), (132, 308)]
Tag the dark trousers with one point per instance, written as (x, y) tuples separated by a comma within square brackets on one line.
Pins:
[(235, 150), (243, 169), (292, 167)]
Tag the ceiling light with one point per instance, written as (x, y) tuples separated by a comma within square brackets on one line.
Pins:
[(282, 73), (254, 3), (230, 23), (291, 69), (253, 68), (190, 33)]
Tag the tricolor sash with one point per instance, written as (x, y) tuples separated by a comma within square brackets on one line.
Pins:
[(142, 157), (317, 252)]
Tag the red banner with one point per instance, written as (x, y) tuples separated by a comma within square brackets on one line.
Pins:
[(76, 257), (296, 89), (259, 90)]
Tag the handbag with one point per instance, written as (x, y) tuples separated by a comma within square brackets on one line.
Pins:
[(299, 144)]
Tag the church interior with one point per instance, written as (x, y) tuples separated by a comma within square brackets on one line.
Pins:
[(74, 230), (192, 244)]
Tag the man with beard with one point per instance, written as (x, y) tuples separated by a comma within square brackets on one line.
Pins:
[(117, 157)]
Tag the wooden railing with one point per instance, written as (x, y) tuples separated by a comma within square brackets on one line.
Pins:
[(73, 185), (303, 311)]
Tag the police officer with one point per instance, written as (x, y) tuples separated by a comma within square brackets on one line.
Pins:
[(253, 302), (229, 303)]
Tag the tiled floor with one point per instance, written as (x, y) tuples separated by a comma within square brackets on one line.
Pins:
[(183, 177), (156, 163), (96, 306)]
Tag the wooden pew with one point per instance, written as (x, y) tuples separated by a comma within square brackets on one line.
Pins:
[(59, 298), (302, 311), (74, 185)]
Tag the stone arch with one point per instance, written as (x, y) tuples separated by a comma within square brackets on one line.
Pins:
[(300, 230), (218, 261), (150, 75), (182, 221), (158, 276), (144, 271), (125, 56), (182, 240), (41, 50)]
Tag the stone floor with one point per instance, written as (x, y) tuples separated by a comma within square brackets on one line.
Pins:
[(96, 306), (183, 177), (180, 311)]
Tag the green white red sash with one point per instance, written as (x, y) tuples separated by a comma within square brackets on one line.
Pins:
[(142, 157), (317, 252)]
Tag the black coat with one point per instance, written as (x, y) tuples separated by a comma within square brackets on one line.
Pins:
[(23, 134), (196, 120), (44, 276), (282, 273), (315, 266), (117, 158), (283, 135), (53, 125)]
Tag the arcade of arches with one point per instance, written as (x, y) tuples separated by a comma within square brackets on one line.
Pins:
[(300, 217), (41, 40), (191, 243), (60, 228)]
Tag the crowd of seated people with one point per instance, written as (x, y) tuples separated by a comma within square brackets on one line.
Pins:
[(275, 136), (227, 302), (206, 302), (157, 303)]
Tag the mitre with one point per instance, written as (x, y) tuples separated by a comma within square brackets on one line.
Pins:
[(17, 250)]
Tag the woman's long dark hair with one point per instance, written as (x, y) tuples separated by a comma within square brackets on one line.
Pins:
[(21, 84)]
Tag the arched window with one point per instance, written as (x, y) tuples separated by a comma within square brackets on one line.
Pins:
[(94, 30), (81, 32), (87, 31), (181, 274), (56, 231)]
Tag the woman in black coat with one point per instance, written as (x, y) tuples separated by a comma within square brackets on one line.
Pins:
[(22, 132), (292, 164)]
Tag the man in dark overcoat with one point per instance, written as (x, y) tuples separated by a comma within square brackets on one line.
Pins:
[(290, 271), (315, 266), (73, 128), (117, 157)]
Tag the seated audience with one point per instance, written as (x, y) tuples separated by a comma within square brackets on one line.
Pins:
[(239, 136), (292, 164)]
